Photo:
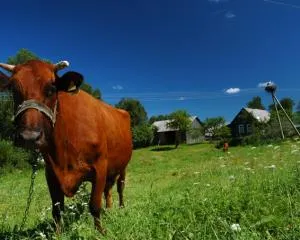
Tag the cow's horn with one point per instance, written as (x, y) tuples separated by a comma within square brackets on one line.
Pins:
[(61, 65), (7, 67)]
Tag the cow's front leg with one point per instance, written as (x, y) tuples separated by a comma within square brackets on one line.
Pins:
[(57, 197), (98, 185)]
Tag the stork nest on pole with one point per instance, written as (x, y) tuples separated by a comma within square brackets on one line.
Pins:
[(271, 87)]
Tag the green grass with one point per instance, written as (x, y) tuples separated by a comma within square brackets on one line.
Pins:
[(193, 192)]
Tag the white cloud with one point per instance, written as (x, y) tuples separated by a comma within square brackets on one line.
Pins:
[(117, 87), (229, 15), (232, 90), (181, 98)]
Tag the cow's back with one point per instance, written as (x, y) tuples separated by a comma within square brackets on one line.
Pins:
[(92, 125)]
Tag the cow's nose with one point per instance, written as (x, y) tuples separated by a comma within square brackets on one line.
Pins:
[(30, 135)]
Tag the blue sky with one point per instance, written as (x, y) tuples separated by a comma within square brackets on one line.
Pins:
[(205, 56)]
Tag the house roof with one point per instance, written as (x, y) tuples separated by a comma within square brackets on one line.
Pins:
[(259, 115), (162, 126)]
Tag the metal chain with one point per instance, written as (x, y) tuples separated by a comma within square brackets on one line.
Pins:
[(30, 192)]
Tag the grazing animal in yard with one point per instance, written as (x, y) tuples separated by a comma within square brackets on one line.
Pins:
[(81, 138), (225, 147)]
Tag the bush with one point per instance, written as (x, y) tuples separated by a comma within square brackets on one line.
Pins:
[(142, 136), (12, 157)]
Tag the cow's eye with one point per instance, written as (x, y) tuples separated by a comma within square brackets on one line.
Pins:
[(50, 90)]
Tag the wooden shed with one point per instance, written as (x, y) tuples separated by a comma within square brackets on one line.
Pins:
[(166, 135)]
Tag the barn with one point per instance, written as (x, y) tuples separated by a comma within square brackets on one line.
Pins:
[(166, 135)]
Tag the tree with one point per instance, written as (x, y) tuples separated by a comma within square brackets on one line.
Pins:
[(142, 135), (6, 113), (212, 125), (287, 104), (296, 115), (88, 88), (159, 118), (256, 103), (136, 110), (24, 55), (180, 120)]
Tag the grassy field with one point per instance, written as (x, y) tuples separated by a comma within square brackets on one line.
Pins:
[(193, 192)]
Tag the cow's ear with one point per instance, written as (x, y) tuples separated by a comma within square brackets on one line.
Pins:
[(69, 82), (4, 80)]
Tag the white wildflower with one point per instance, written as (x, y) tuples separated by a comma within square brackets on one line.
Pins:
[(276, 147), (57, 204), (294, 151), (270, 145), (207, 185), (231, 178), (196, 183), (235, 227), (223, 165), (43, 235), (271, 166), (247, 169), (253, 148), (196, 172)]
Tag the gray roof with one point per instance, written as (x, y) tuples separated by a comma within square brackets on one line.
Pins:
[(162, 126), (258, 114)]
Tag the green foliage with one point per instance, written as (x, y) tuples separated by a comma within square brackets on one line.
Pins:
[(256, 103), (136, 110), (223, 133), (273, 129), (296, 117), (159, 118), (180, 120), (6, 114), (212, 125), (286, 103), (23, 56), (12, 157), (96, 93), (142, 135)]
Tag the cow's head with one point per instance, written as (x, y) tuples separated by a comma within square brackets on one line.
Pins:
[(35, 86)]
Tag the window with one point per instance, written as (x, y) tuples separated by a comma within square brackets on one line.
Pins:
[(241, 129), (249, 128)]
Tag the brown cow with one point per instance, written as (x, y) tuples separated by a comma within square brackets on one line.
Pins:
[(80, 137)]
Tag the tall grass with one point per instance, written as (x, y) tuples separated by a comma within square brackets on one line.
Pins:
[(193, 192)]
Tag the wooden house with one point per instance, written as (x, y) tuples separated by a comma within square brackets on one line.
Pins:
[(242, 124)]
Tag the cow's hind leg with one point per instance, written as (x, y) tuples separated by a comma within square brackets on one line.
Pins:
[(95, 204), (57, 197), (120, 187), (108, 192)]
